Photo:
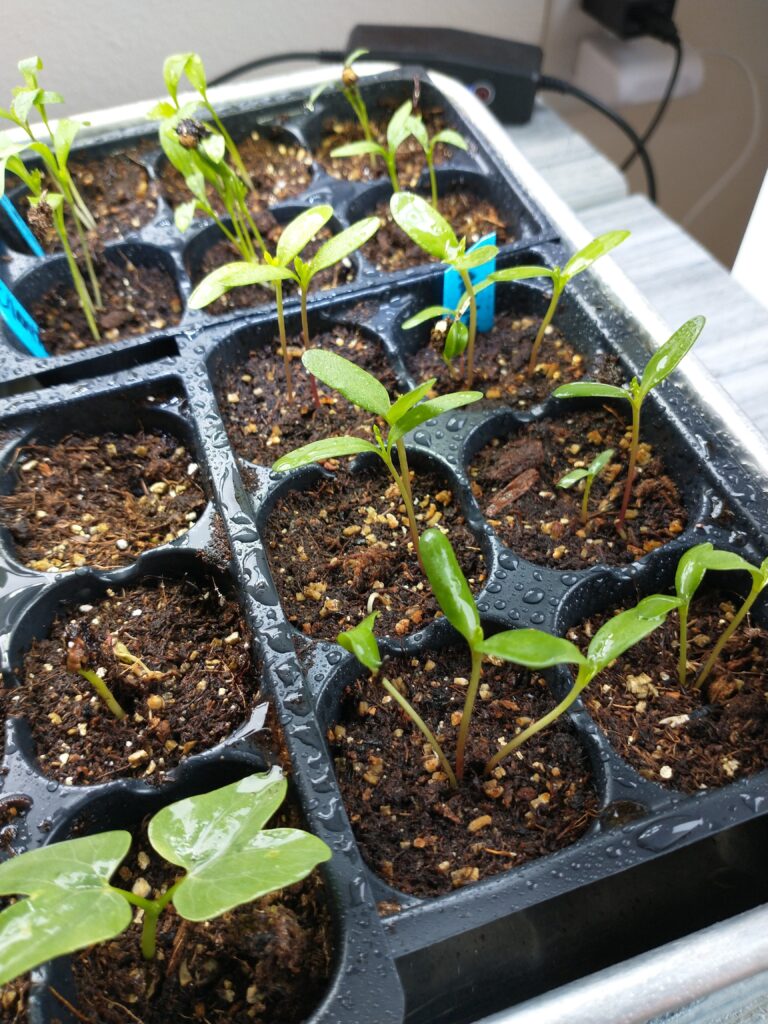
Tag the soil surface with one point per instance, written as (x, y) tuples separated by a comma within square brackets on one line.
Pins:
[(501, 362), (410, 159), (193, 685), (262, 425), (223, 251), (470, 217), (278, 170), (100, 501), (681, 737), (136, 300), (267, 962), (414, 830), (515, 481), (13, 999), (342, 549)]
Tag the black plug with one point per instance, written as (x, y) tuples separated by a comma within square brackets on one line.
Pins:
[(629, 19)]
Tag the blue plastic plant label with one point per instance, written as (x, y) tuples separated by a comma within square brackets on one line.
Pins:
[(453, 288), (21, 226), (20, 322)]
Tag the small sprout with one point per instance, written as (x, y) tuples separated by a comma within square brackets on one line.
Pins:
[(588, 475), (530, 648), (76, 659), (691, 569), (217, 838), (659, 366), (351, 91), (398, 130), (577, 264), (432, 233), (447, 136), (294, 238), (364, 390)]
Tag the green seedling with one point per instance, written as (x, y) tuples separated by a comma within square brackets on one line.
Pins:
[(457, 333), (276, 269), (401, 416), (432, 233), (217, 838), (398, 130), (447, 136), (103, 691), (530, 648), (691, 569), (588, 475), (351, 92), (657, 369), (53, 194), (560, 276)]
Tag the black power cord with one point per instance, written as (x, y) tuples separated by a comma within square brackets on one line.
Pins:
[(664, 103), (278, 58)]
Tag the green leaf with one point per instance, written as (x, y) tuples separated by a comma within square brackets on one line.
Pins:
[(355, 55), (726, 561), (234, 275), (571, 478), (626, 629), (434, 407), (64, 135), (407, 401), (399, 128), (195, 71), (423, 224), (666, 358), (315, 94), (8, 150), (29, 67), (214, 147), (361, 642), (319, 451), (49, 96), (177, 65), (598, 464), (230, 859), (417, 129), (23, 102), (456, 341), (341, 245), (476, 258), (70, 904), (449, 585), (519, 273), (428, 313), (356, 384), (532, 648), (690, 571), (301, 230), (161, 111), (360, 148), (184, 214), (590, 389), (598, 247), (450, 138)]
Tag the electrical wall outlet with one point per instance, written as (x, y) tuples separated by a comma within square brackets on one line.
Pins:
[(625, 71)]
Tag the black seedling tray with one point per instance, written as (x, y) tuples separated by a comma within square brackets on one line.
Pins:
[(655, 864)]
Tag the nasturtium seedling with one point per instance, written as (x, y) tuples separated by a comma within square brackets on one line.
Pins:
[(52, 194), (588, 475), (691, 569), (219, 841), (560, 277), (401, 416), (432, 233), (530, 648), (448, 136), (659, 366), (398, 130)]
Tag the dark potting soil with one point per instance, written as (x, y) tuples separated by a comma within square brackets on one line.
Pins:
[(193, 685), (501, 362), (262, 425), (417, 833), (223, 251), (99, 501), (278, 170), (13, 998), (409, 159), (136, 300), (470, 217), (681, 737), (515, 481), (342, 549), (267, 962)]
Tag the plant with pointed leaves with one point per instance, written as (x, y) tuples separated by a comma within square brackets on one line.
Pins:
[(276, 269), (448, 136), (351, 92), (53, 194), (405, 414), (398, 130), (659, 366), (432, 233), (530, 648), (691, 569), (588, 475), (218, 839)]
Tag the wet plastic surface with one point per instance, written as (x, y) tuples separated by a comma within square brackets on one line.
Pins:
[(655, 865)]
